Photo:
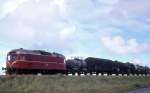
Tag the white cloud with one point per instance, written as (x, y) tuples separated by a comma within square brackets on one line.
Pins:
[(138, 61), (32, 18), (119, 45), (38, 25), (61, 5), (109, 2), (50, 24), (136, 7), (10, 6), (129, 14), (68, 31)]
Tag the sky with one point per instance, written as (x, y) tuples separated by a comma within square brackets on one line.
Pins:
[(111, 29)]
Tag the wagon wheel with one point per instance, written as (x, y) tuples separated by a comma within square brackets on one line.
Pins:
[(73, 73), (85, 73), (97, 73), (79, 73)]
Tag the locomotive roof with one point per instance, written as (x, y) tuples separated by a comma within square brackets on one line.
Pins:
[(34, 52)]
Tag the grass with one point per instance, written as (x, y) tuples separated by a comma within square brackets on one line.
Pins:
[(71, 84)]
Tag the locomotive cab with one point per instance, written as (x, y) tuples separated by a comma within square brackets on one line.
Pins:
[(11, 57)]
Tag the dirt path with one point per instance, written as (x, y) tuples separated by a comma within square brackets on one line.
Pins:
[(144, 90)]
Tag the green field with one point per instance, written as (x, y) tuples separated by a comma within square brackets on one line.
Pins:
[(71, 84)]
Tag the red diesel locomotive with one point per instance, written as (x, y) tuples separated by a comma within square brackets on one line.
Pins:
[(21, 61)]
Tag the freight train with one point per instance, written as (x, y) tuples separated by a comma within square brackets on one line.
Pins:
[(22, 61)]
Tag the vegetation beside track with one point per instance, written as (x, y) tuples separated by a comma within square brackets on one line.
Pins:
[(71, 84)]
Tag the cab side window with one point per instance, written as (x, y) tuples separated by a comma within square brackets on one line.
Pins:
[(13, 57)]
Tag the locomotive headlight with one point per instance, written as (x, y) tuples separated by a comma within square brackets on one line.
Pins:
[(8, 57)]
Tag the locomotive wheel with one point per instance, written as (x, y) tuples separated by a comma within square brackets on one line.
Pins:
[(90, 73), (66, 72), (133, 74), (145, 74), (97, 73), (73, 73), (110, 73), (79, 73)]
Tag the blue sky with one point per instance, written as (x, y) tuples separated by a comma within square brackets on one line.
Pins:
[(115, 29)]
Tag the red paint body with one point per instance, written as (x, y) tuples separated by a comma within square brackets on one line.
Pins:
[(28, 61)]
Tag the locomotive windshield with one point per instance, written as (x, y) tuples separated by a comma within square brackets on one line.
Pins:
[(11, 57)]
